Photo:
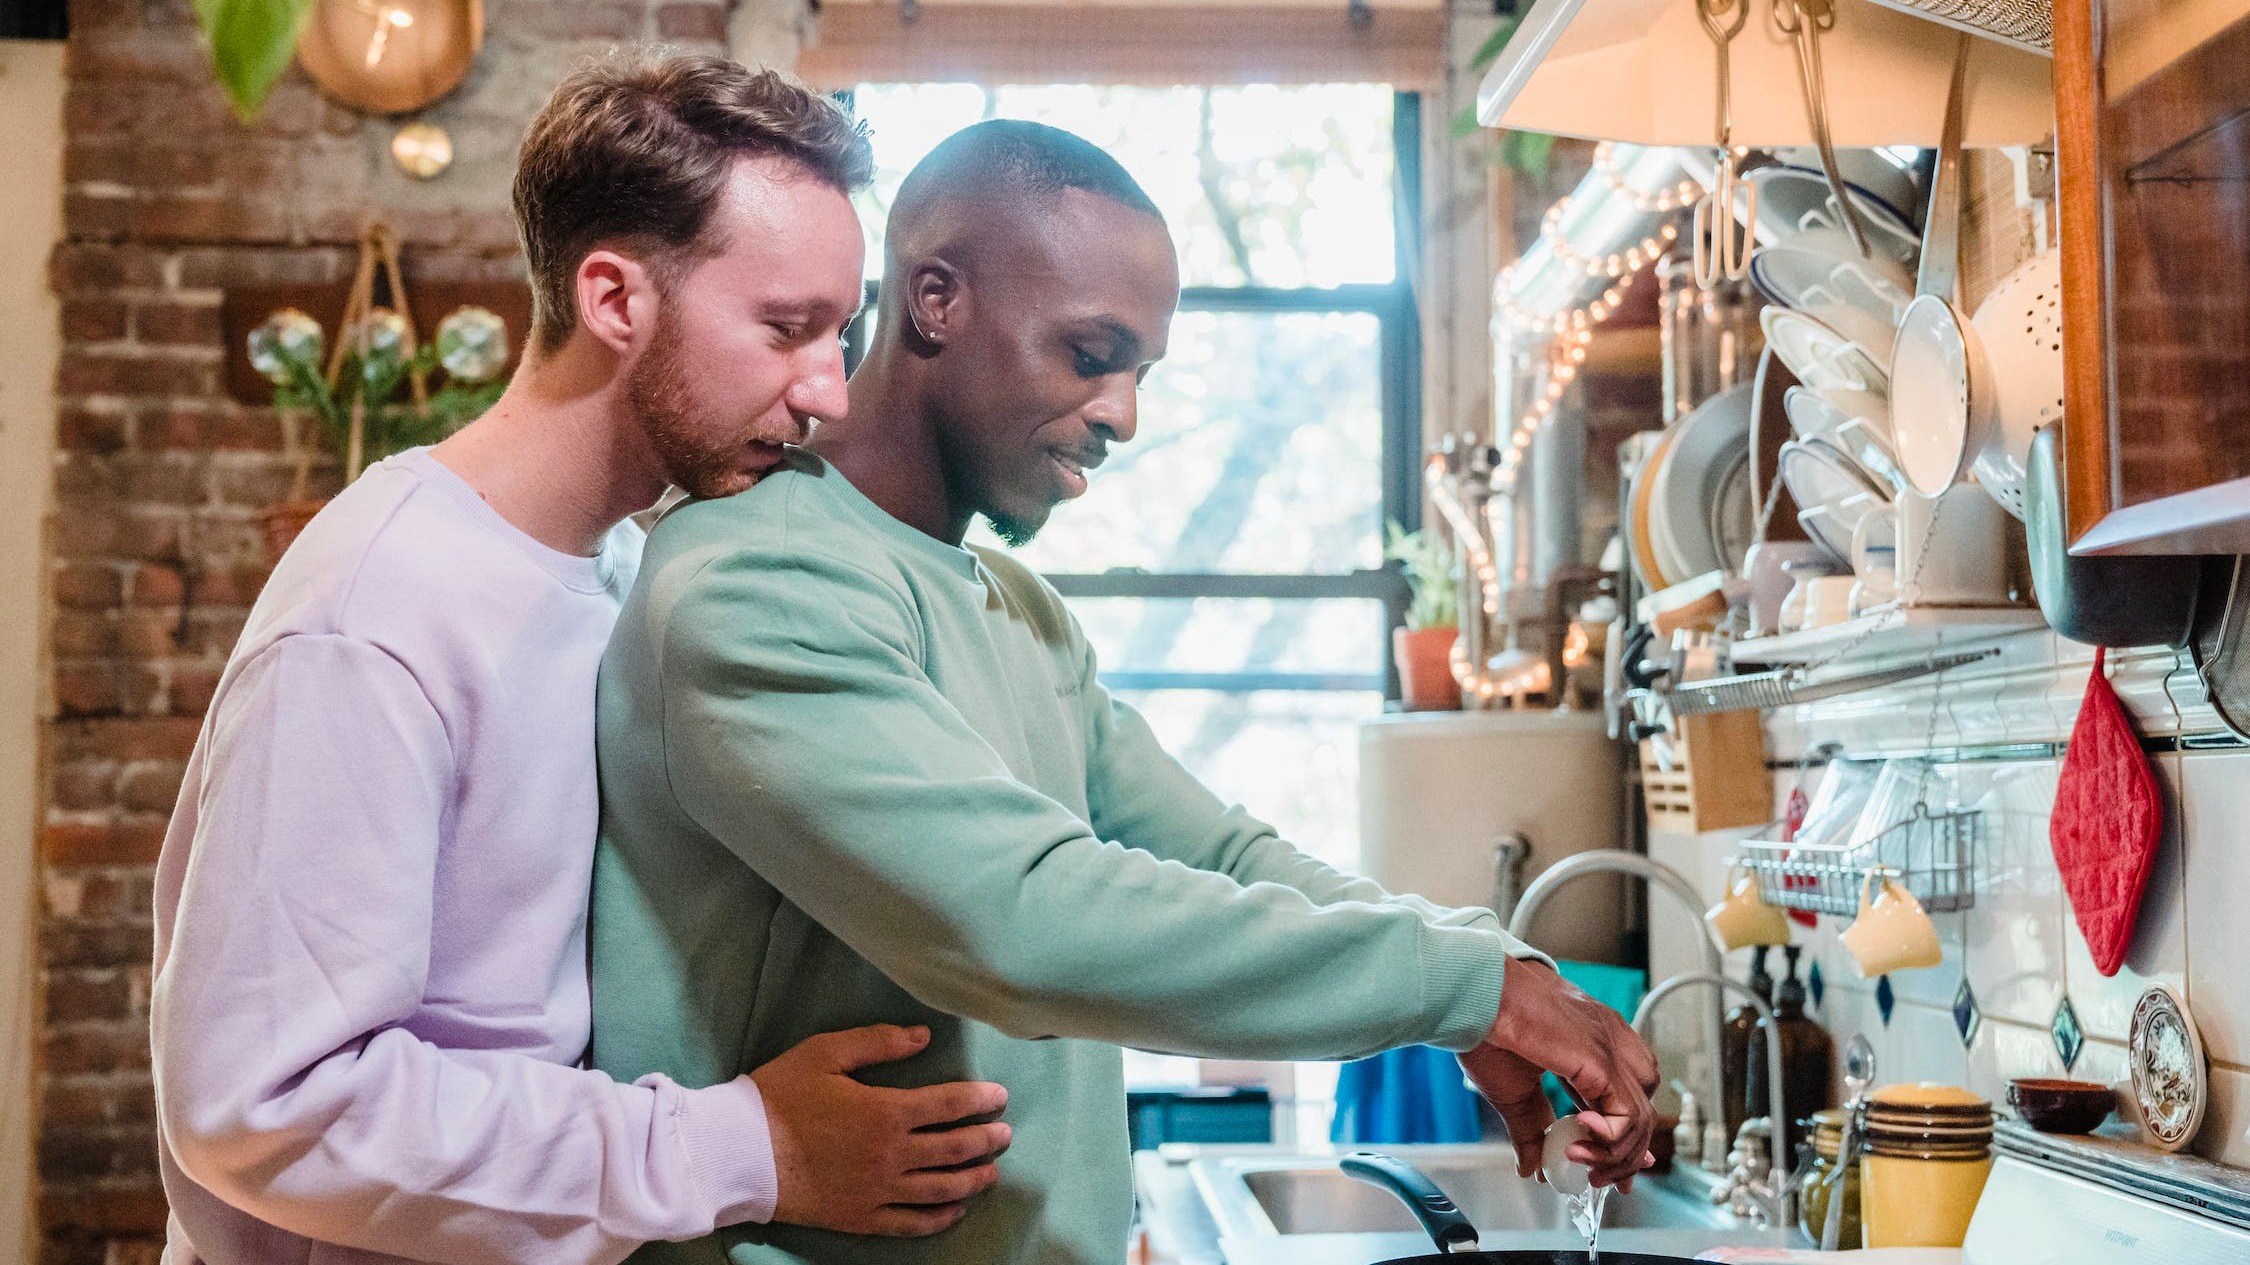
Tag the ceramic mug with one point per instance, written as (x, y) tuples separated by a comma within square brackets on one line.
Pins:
[(1744, 918), (1891, 932), (1828, 600), (1767, 566), (1950, 548)]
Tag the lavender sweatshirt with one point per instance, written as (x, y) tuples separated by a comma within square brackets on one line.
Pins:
[(370, 1000)]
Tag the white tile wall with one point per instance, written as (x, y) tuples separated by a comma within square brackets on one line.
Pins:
[(2216, 788), (2020, 946)]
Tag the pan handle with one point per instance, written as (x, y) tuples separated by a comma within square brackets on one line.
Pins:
[(1439, 1216)]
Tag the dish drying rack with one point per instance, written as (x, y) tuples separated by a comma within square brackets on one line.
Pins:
[(1933, 853)]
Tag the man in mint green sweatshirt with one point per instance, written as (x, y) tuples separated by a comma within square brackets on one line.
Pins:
[(853, 772)]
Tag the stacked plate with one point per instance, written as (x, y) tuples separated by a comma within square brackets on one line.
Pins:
[(1928, 1121)]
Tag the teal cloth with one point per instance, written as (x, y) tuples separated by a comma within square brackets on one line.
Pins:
[(1618, 987)]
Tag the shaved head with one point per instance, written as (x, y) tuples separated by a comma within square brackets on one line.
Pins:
[(993, 176), (1030, 285)]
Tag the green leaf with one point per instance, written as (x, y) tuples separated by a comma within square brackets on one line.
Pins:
[(251, 44), (1489, 51), (1528, 152)]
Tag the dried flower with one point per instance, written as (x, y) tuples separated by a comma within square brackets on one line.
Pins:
[(287, 336), (472, 344)]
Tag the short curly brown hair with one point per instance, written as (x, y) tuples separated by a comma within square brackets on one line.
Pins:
[(633, 149)]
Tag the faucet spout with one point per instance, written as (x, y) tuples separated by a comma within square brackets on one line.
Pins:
[(1777, 1110)]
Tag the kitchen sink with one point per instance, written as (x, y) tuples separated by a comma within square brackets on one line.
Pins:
[(1252, 1196)]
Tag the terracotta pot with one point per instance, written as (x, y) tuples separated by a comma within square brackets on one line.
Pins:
[(1425, 668), (282, 521)]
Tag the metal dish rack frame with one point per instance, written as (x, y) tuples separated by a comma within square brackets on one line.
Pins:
[(1933, 854)]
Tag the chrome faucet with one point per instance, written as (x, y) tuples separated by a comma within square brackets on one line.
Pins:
[(1659, 876), (1771, 1198)]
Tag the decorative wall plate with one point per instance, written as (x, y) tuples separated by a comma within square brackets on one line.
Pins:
[(2171, 1082)]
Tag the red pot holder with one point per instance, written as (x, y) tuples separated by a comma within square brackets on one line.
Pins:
[(2108, 819)]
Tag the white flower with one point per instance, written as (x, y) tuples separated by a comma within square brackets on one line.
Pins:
[(472, 344), (288, 336)]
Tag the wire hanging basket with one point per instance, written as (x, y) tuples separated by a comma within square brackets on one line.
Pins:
[(1933, 853)]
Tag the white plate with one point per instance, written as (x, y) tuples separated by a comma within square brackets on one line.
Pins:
[(2171, 1081), (1690, 487), (1832, 493), (1791, 268), (1856, 423), (1791, 199), (1818, 354)]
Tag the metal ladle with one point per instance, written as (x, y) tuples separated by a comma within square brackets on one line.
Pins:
[(1859, 1073), (1803, 21)]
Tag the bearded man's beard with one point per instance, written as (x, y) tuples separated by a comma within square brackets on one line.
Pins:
[(656, 390)]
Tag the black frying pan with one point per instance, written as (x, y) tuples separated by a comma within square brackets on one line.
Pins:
[(1456, 1239)]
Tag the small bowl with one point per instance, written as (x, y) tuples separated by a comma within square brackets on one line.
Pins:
[(2057, 1106)]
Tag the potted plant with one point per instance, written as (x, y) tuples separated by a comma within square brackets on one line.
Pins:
[(1423, 649), (357, 403)]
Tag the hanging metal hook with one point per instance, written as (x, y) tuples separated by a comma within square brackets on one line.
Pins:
[(1722, 251)]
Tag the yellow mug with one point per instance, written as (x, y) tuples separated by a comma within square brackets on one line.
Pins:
[(1891, 932), (1744, 918)]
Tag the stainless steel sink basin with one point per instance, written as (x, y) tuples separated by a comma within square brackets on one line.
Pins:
[(1273, 1195)]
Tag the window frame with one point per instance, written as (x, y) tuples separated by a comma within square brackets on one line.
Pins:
[(1399, 345)]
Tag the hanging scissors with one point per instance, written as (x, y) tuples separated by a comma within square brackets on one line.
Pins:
[(1804, 21), (1722, 252)]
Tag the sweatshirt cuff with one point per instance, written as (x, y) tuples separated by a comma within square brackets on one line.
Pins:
[(1463, 969), (730, 1150)]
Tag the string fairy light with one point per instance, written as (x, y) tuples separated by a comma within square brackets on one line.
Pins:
[(1663, 201)]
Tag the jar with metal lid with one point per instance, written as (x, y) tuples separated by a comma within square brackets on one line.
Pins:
[(1928, 1152), (1830, 1177)]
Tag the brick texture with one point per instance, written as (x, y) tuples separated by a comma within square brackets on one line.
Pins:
[(155, 552)]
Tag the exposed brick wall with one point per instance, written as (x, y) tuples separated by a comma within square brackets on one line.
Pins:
[(156, 554)]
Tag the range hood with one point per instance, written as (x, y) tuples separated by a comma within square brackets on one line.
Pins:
[(1644, 71)]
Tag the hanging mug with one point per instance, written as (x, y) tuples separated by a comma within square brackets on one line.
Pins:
[(1744, 918), (1891, 932)]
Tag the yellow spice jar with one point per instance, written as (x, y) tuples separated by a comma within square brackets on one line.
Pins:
[(1929, 1150)]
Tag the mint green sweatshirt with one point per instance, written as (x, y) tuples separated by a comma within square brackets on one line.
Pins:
[(851, 774)]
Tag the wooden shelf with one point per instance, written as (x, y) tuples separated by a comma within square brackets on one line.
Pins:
[(1888, 634)]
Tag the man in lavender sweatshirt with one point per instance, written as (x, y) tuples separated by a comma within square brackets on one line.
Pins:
[(370, 1006)]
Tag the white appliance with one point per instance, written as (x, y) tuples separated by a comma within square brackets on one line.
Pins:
[(2117, 1214), (1442, 793)]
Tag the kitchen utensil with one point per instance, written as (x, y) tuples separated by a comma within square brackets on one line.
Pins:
[(1942, 399), (1454, 1235), (1792, 264), (1803, 21), (2019, 326), (1859, 1073), (1818, 354), (1732, 514), (1892, 932), (1786, 687), (2171, 1079), (1877, 580), (2137, 600), (1722, 248), (2061, 1106), (1744, 918), (2107, 820)]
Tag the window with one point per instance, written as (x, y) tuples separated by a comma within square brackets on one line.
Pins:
[(1227, 563)]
